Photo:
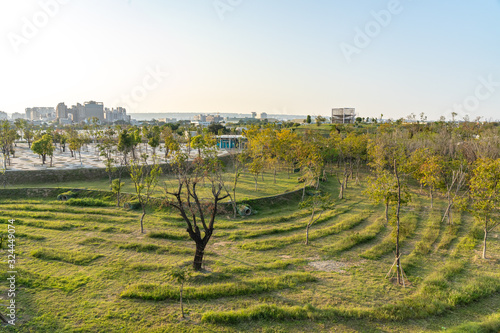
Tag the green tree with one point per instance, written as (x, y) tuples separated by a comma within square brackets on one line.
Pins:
[(8, 136), (75, 145), (125, 144), (145, 179), (106, 148), (116, 188), (180, 276), (317, 203), (427, 169), (171, 144), (485, 195), (382, 187), (308, 119), (154, 137), (320, 120), (44, 147)]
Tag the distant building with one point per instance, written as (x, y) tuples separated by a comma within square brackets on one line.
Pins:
[(343, 115), (202, 119), (3, 115), (42, 114), (79, 112), (61, 111), (17, 115), (231, 141), (66, 121), (263, 116), (214, 119), (93, 109), (118, 114), (254, 114), (167, 120)]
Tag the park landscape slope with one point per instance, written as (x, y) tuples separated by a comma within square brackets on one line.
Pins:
[(85, 267)]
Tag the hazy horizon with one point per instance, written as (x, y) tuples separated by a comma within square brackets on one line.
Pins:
[(296, 57)]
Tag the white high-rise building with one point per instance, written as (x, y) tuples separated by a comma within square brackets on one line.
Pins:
[(343, 115)]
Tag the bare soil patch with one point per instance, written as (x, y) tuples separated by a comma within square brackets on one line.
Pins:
[(329, 266)]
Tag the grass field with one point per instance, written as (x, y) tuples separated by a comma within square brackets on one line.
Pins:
[(88, 269), (245, 188)]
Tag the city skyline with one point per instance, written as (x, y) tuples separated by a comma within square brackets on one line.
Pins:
[(297, 58)]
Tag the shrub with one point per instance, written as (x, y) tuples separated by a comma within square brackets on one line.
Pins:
[(66, 195), (133, 205)]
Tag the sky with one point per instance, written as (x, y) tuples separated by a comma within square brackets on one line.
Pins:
[(392, 57)]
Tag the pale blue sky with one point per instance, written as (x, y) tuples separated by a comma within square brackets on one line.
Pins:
[(254, 55)]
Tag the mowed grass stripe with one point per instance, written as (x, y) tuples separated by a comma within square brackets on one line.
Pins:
[(58, 207), (274, 243), (357, 238), (136, 246), (159, 292), (430, 234), (36, 280), (294, 216), (295, 225), (435, 296), (82, 217), (52, 225), (408, 225), (72, 257), (450, 233)]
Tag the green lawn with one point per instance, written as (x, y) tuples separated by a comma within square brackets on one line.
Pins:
[(245, 189), (88, 269)]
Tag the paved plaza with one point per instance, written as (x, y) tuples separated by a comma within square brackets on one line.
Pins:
[(27, 160)]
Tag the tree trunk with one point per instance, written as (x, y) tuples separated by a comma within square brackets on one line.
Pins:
[(432, 198), (387, 212), (142, 220), (341, 194), (274, 175), (307, 234), (234, 201), (398, 261), (198, 257), (484, 241), (182, 307)]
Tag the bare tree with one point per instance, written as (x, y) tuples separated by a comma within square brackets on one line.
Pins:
[(197, 212)]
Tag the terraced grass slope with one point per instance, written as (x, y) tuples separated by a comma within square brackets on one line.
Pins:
[(88, 269)]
